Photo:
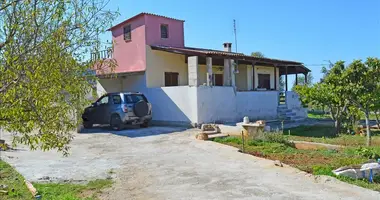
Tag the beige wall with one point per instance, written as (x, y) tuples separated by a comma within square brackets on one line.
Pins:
[(241, 78), (266, 70), (159, 62), (202, 73)]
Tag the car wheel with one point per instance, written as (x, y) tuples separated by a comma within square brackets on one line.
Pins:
[(87, 124), (144, 125), (116, 122)]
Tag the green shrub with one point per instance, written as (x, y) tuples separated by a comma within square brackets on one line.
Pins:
[(277, 137), (234, 140), (367, 153), (323, 170)]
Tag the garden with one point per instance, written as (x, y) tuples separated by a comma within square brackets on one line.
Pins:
[(280, 146)]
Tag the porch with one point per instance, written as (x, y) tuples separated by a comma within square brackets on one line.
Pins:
[(227, 69)]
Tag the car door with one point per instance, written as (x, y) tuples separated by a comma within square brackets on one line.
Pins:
[(100, 112)]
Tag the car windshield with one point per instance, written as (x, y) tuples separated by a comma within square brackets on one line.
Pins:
[(134, 98)]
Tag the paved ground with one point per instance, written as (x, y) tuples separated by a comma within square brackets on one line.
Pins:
[(168, 163)]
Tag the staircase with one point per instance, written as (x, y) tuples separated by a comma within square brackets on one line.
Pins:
[(284, 113)]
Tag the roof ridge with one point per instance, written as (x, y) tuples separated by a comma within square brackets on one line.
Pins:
[(141, 14)]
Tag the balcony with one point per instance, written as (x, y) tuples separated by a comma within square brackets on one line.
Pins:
[(102, 55)]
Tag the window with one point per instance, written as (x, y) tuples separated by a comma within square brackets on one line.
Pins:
[(218, 79), (103, 100), (164, 31), (116, 99), (171, 79), (264, 81), (127, 32), (134, 98)]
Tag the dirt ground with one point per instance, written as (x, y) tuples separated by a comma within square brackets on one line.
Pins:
[(168, 163)]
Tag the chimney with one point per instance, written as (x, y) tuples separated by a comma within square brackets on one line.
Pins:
[(227, 46)]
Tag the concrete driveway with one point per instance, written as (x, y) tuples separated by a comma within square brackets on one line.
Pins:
[(168, 163)]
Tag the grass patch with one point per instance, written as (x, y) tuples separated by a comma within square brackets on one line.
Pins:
[(51, 191), (311, 131), (321, 115), (325, 134), (317, 162), (315, 115)]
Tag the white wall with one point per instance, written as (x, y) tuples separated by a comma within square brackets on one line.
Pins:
[(216, 104), (173, 104), (222, 104), (293, 102), (257, 105), (203, 104)]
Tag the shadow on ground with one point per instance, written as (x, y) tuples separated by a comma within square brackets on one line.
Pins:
[(134, 131)]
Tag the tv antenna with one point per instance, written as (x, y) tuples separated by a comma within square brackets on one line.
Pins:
[(236, 49)]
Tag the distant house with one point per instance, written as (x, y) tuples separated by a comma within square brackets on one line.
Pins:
[(189, 85)]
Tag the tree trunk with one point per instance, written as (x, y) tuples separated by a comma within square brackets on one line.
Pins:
[(337, 126), (377, 112), (368, 128)]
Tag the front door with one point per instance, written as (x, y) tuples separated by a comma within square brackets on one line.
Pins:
[(218, 79), (264, 81)]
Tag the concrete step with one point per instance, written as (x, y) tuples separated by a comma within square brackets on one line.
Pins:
[(290, 114), (297, 119), (219, 135)]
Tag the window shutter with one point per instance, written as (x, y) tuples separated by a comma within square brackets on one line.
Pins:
[(164, 31), (127, 33)]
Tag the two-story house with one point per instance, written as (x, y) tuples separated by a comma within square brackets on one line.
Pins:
[(189, 85)]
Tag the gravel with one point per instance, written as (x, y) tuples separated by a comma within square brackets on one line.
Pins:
[(169, 163)]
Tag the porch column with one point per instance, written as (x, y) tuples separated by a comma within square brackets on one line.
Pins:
[(209, 71), (253, 77), (233, 83), (192, 63), (305, 74), (275, 77), (226, 72), (296, 79), (286, 78), (249, 77)]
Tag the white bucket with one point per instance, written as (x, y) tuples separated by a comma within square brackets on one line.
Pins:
[(245, 120)]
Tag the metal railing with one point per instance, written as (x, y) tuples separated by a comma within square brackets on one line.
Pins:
[(282, 98)]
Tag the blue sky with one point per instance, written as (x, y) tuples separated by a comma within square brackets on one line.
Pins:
[(310, 31)]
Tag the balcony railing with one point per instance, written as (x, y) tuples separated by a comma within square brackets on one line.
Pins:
[(103, 54)]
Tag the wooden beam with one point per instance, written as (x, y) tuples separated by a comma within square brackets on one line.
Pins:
[(286, 78)]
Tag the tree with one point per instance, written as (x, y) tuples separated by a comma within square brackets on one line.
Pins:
[(327, 93), (301, 80), (361, 87), (347, 91), (257, 54), (44, 65)]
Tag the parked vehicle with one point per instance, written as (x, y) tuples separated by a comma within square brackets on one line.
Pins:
[(118, 109)]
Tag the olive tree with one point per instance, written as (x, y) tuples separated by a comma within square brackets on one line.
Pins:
[(327, 93), (361, 86), (44, 65)]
